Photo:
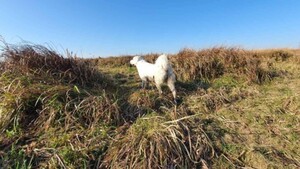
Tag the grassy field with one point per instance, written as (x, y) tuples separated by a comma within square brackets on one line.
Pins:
[(237, 109)]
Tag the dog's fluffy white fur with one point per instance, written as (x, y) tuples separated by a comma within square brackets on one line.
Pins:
[(160, 72)]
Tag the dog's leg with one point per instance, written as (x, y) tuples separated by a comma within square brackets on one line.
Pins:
[(144, 84), (171, 85), (159, 88)]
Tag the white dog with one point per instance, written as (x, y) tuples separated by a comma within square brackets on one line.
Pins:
[(160, 72)]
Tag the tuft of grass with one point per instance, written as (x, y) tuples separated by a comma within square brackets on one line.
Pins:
[(39, 60), (277, 55), (213, 63), (190, 65), (54, 110), (154, 142), (21, 159)]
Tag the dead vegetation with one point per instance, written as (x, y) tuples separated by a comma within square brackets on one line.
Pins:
[(39, 60), (207, 64), (154, 142), (44, 94), (212, 63)]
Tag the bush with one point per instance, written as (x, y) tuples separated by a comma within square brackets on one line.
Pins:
[(48, 113), (281, 55), (37, 59), (208, 64)]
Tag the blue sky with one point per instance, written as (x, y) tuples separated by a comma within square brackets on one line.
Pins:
[(119, 27)]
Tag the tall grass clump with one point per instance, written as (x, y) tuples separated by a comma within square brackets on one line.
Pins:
[(191, 65), (276, 54), (156, 142), (38, 59), (55, 112), (32, 76)]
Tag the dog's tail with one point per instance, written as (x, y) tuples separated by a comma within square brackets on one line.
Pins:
[(162, 62)]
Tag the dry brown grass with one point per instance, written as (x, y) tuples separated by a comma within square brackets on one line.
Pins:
[(58, 112), (154, 142), (38, 59), (41, 119), (276, 54), (211, 63), (207, 64), (52, 108)]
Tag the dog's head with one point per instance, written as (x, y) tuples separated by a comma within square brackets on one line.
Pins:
[(135, 59)]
